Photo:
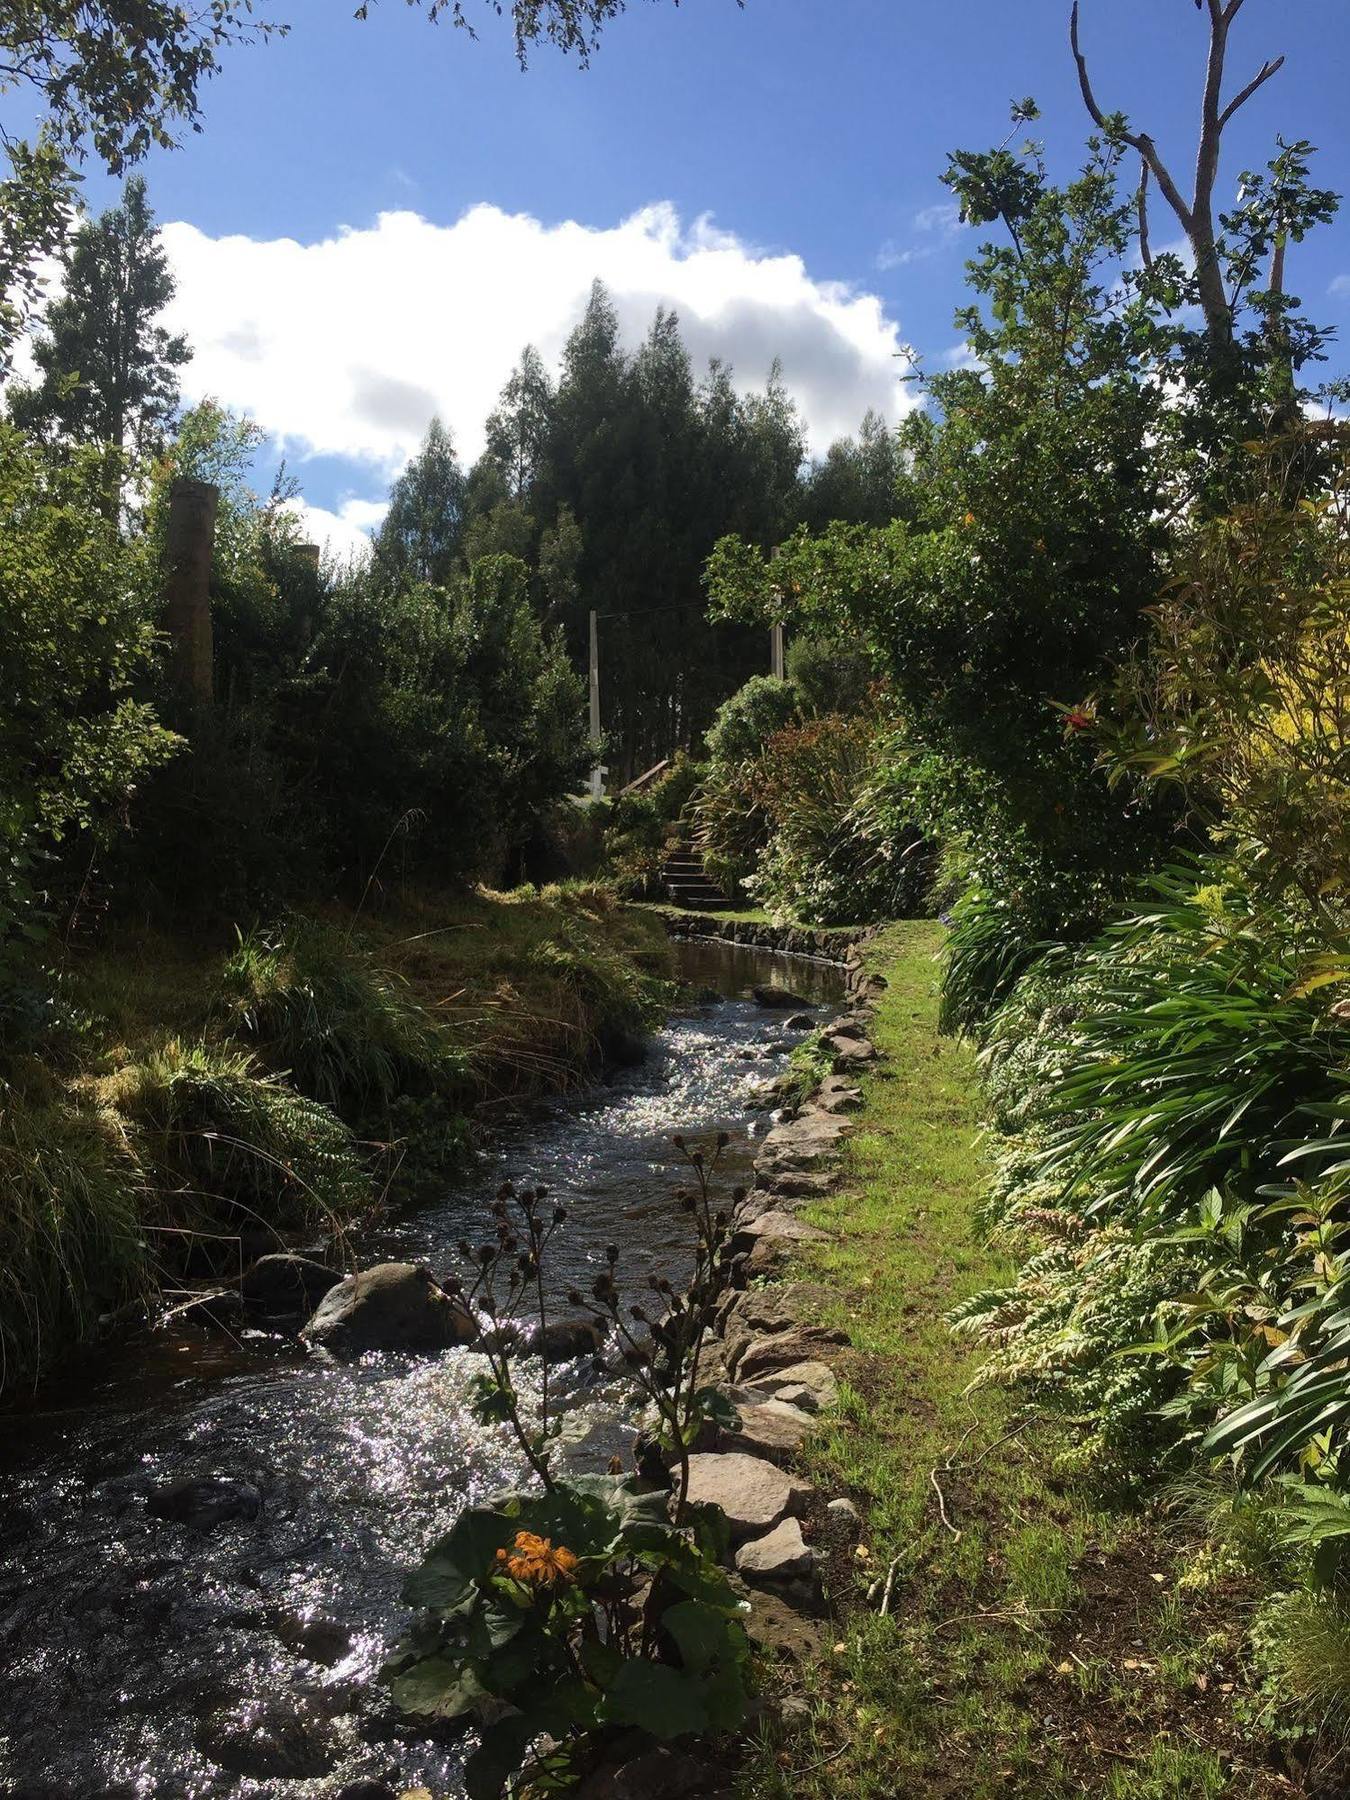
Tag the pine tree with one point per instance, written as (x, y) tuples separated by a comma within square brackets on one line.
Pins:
[(108, 369), (420, 537)]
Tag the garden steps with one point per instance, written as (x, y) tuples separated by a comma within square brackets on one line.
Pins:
[(687, 882)]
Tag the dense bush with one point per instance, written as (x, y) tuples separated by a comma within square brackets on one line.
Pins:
[(1174, 1175), (360, 724), (836, 853), (745, 723), (816, 824)]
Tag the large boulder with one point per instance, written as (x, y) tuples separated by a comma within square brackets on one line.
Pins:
[(394, 1306), (287, 1282), (752, 1493), (205, 1501), (778, 999), (769, 1427), (780, 1555)]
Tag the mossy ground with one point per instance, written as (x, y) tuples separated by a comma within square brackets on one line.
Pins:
[(1041, 1641)]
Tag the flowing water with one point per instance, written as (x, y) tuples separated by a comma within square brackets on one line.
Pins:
[(140, 1657)]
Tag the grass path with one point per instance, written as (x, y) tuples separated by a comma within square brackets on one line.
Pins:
[(1039, 1644)]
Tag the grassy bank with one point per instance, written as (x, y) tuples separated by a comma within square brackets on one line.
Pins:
[(1043, 1639), (175, 1104)]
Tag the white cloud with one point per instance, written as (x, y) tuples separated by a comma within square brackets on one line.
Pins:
[(1341, 285), (348, 346), (343, 534), (937, 227)]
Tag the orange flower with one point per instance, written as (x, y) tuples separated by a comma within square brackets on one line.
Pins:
[(536, 1561)]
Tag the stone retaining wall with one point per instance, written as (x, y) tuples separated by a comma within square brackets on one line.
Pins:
[(825, 943)]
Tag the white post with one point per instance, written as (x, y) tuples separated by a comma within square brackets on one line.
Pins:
[(598, 772)]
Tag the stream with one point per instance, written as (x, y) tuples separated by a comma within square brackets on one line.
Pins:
[(140, 1657)]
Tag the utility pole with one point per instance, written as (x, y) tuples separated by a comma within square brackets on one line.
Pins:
[(598, 772), (776, 664)]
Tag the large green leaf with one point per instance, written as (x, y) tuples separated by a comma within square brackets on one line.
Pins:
[(458, 1562), (666, 1702), (437, 1687)]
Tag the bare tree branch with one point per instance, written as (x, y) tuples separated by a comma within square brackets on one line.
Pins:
[(1145, 251), (1269, 69), (1137, 140)]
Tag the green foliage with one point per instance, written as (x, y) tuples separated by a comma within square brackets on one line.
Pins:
[(829, 674), (1240, 697), (70, 1241), (1301, 1645), (1201, 1063), (341, 1028), (76, 645), (579, 1608), (603, 986), (990, 944), (363, 726), (840, 847), (1174, 1184), (614, 483)]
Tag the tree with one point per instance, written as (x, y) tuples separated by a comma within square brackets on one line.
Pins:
[(420, 537), (856, 478), (77, 645), (1292, 205), (572, 26), (109, 370), (112, 76)]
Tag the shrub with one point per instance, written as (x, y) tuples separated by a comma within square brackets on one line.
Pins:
[(745, 723), (1205, 1054), (831, 675), (833, 857), (817, 827), (1240, 697)]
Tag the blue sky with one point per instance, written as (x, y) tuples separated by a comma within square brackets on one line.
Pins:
[(808, 135)]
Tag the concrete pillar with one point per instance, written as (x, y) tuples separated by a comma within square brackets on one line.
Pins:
[(309, 553), (187, 584)]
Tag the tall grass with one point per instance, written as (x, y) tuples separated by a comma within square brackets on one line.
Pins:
[(343, 1029), (70, 1241), (227, 1147)]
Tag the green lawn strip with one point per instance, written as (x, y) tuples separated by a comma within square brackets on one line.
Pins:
[(1037, 1643)]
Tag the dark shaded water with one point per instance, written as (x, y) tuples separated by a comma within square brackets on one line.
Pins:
[(143, 1658)]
